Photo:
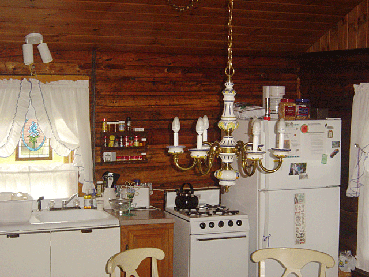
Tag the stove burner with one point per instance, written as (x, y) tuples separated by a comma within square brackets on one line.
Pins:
[(207, 210)]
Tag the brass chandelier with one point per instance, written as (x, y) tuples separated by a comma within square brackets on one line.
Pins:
[(249, 154)]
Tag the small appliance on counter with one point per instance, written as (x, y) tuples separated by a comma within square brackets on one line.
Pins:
[(110, 179), (141, 198)]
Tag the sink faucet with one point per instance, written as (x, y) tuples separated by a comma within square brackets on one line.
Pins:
[(39, 203), (65, 202)]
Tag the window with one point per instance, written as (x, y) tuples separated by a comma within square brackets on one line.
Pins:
[(62, 124), (36, 169)]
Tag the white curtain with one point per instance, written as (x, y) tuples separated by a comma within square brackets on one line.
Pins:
[(49, 180), (62, 112), (359, 170)]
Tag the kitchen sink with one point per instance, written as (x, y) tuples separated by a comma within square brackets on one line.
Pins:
[(70, 215)]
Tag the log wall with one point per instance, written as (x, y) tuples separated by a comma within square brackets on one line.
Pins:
[(152, 90)]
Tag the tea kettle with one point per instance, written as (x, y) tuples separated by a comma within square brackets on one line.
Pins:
[(186, 199)]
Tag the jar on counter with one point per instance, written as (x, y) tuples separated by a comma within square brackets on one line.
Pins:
[(287, 109), (302, 109)]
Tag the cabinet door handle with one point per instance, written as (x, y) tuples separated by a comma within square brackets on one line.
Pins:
[(86, 231), (12, 236)]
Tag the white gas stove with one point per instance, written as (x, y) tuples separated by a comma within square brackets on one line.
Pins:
[(209, 240)]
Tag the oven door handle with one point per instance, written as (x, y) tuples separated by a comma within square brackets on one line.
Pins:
[(221, 238)]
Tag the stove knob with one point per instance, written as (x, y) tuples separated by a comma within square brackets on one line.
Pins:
[(202, 225), (239, 222), (211, 224), (221, 224), (230, 223)]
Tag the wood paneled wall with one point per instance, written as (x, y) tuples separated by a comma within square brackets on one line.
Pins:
[(152, 90), (351, 32)]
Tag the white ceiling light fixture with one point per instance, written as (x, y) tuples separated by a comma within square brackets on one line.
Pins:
[(35, 38)]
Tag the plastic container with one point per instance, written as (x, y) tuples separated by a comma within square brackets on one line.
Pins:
[(109, 193), (287, 109), (302, 109), (14, 209), (88, 202)]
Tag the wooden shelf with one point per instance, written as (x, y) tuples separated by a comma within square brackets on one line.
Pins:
[(122, 151), (124, 162), (109, 149)]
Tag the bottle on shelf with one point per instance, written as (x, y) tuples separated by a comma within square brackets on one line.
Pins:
[(128, 124), (104, 125), (122, 126)]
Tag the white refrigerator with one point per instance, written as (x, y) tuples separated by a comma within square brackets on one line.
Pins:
[(299, 205)]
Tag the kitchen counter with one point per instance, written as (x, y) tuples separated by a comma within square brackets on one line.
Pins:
[(149, 216), (154, 216)]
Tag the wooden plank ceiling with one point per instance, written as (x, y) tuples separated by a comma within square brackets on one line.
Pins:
[(269, 27)]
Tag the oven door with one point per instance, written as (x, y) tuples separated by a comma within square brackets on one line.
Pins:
[(220, 255)]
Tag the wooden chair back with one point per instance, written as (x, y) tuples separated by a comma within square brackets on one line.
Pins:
[(129, 260), (292, 259)]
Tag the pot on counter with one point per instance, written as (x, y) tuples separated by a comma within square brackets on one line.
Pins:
[(186, 198)]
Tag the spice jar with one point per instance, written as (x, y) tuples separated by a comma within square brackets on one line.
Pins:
[(287, 109), (302, 109), (136, 142), (122, 126), (104, 125), (128, 124)]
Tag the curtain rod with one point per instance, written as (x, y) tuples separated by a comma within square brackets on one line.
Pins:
[(47, 78)]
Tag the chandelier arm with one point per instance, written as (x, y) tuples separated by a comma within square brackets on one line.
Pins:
[(209, 161), (176, 162), (204, 170), (246, 167), (280, 160)]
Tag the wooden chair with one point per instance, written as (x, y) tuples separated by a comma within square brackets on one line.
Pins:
[(292, 259), (129, 261)]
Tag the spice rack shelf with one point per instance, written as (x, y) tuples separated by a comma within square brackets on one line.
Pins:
[(126, 147)]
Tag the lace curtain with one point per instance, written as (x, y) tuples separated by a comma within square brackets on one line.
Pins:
[(359, 170), (62, 112)]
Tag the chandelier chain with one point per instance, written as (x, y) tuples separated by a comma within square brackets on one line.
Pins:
[(229, 70), (182, 8)]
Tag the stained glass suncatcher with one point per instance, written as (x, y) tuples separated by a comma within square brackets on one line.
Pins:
[(33, 144)]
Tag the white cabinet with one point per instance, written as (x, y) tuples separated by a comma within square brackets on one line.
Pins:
[(83, 253), (67, 253), (25, 255)]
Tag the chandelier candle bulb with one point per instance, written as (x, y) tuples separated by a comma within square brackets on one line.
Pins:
[(256, 130), (281, 129), (200, 131), (206, 127), (176, 127)]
